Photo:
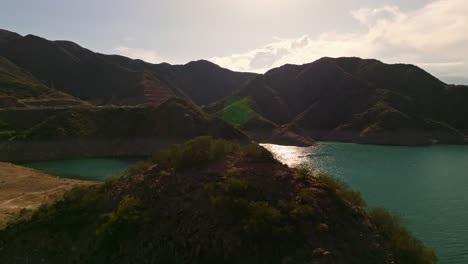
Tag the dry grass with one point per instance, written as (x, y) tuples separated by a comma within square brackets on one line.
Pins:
[(22, 187)]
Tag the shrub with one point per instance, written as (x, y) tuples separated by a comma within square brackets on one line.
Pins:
[(202, 151), (405, 247), (236, 186), (72, 124), (261, 220), (343, 190), (196, 152), (127, 214), (256, 153), (306, 196), (304, 170), (165, 173), (23, 215), (110, 181), (139, 167), (168, 158), (301, 212), (322, 228)]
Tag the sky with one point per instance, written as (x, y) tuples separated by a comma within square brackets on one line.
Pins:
[(256, 35)]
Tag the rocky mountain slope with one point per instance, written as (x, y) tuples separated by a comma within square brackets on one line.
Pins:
[(367, 101)]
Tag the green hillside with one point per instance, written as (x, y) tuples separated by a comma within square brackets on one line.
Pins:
[(18, 88), (16, 82), (238, 111)]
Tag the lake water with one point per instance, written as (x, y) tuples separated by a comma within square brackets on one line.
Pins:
[(426, 186), (85, 169)]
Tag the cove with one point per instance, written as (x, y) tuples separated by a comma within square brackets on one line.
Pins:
[(426, 186), (85, 169)]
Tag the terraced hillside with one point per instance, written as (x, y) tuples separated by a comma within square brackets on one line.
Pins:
[(111, 79), (19, 88)]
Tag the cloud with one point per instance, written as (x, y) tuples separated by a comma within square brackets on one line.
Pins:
[(433, 37), (142, 54)]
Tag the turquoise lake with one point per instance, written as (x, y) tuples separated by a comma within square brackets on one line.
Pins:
[(85, 169), (426, 186)]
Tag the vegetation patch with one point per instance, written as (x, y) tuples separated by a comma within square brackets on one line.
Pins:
[(405, 246), (237, 111), (210, 201)]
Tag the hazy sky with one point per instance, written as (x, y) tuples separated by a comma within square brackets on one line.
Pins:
[(256, 35)]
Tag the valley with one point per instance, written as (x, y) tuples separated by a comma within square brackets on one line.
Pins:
[(207, 191)]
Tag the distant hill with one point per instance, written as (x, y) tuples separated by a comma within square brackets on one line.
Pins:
[(357, 100), (44, 134), (19, 88), (112, 79), (238, 112)]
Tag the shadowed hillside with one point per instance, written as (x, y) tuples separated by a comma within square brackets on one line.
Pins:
[(367, 101), (338, 99), (44, 134), (212, 201), (238, 112), (18, 88), (112, 79)]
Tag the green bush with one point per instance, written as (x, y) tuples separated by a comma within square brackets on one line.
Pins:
[(23, 215), (204, 150), (23, 90), (110, 181), (236, 186), (127, 214), (139, 167), (343, 190), (262, 219), (304, 170), (196, 153), (168, 158), (71, 124), (322, 228), (405, 247), (256, 153)]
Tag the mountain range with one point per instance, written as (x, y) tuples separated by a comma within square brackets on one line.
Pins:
[(338, 99), (112, 79)]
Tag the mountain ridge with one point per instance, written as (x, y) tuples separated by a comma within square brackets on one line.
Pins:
[(360, 100), (340, 99), (115, 79)]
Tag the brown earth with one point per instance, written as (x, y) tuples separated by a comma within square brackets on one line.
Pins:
[(22, 187)]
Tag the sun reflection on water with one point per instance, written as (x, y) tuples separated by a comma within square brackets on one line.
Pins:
[(289, 155)]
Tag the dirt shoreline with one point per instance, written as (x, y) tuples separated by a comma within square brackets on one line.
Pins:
[(22, 187)]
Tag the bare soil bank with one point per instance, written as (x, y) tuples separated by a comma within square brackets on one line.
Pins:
[(22, 187)]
